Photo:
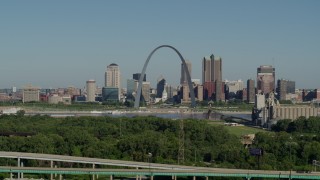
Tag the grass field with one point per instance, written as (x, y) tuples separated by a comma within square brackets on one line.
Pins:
[(237, 130)]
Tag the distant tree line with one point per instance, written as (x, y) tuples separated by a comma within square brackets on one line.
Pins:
[(123, 138), (301, 125), (294, 145)]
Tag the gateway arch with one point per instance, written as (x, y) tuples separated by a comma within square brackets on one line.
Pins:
[(137, 99)]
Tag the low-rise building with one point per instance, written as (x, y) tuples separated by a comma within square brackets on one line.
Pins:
[(30, 94), (56, 99)]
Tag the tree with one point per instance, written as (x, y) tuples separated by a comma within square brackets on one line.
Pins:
[(20, 113), (298, 125), (281, 125), (311, 152)]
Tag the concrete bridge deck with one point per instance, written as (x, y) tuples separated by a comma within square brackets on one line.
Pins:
[(132, 168)]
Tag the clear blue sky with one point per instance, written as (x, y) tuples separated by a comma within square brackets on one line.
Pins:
[(62, 43)]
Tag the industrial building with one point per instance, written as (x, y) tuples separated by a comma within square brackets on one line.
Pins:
[(268, 111)]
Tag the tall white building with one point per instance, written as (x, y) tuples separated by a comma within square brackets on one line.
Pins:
[(113, 76), (260, 101), (91, 90), (164, 95)]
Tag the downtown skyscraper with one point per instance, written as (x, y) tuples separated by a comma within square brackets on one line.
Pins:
[(113, 76), (285, 87), (112, 80), (161, 83), (212, 78), (265, 79), (136, 76), (211, 69)]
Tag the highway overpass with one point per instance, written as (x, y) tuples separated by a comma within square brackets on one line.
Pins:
[(139, 169)]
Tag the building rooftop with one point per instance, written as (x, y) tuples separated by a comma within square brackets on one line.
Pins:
[(207, 57), (113, 64), (217, 58)]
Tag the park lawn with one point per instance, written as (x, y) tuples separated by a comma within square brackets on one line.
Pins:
[(237, 130), (243, 130)]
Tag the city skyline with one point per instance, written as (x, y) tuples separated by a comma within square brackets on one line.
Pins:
[(60, 44)]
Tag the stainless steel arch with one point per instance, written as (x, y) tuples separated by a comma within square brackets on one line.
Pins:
[(137, 99)]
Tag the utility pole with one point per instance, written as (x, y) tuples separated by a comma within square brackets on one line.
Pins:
[(149, 159), (120, 127), (195, 156), (181, 142)]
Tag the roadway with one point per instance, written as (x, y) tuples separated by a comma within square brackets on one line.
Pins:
[(145, 172), (85, 160), (140, 168)]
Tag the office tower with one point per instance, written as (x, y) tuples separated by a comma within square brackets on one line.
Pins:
[(233, 89), (30, 94), (211, 69), (185, 93), (132, 86), (145, 91), (199, 92), (136, 76), (208, 84), (220, 87), (160, 86), (110, 94), (169, 90), (265, 79), (91, 90), (183, 78), (209, 89), (206, 70), (291, 87), (216, 68), (251, 92), (285, 87), (244, 95), (281, 89), (211, 77), (113, 76)]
